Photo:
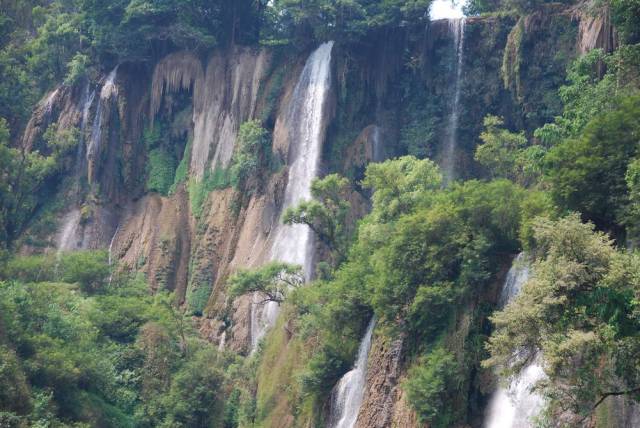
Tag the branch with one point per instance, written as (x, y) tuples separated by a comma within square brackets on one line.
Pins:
[(614, 393), (605, 395)]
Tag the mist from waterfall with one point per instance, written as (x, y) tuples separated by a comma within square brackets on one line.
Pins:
[(348, 393), (456, 27), (305, 121), (517, 405)]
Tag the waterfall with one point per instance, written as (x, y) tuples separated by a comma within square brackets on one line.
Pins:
[(378, 147), (67, 237), (305, 122), (456, 27), (108, 90), (348, 393), (517, 405), (81, 165), (113, 239)]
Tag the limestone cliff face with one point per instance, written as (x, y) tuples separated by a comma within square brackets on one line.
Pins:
[(388, 98), (382, 405)]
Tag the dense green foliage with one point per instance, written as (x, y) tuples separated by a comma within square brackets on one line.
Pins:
[(80, 347), (273, 281), (422, 254), (580, 306), (325, 214), (425, 255), (76, 349), (26, 178), (161, 171), (252, 152)]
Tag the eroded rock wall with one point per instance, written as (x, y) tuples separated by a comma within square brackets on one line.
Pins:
[(389, 98)]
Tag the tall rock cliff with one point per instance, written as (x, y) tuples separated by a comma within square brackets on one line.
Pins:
[(181, 118)]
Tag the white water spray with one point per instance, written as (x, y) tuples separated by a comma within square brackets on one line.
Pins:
[(456, 27), (517, 405), (348, 393), (305, 121)]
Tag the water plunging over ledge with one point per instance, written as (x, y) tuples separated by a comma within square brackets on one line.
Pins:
[(348, 393), (305, 121), (456, 27), (515, 406)]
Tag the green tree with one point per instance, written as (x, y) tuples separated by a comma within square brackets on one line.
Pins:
[(24, 176), (400, 184), (194, 399), (429, 383), (587, 174), (273, 280), (506, 155), (250, 154), (579, 310), (326, 214)]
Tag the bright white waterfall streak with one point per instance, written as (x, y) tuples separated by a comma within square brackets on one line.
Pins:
[(517, 405), (108, 90), (81, 163), (305, 120), (67, 239), (113, 239), (378, 149), (456, 27), (348, 393), (67, 236)]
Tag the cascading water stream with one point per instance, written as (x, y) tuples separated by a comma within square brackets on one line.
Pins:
[(348, 393), (68, 236), (81, 164), (456, 27), (305, 121), (113, 239), (517, 405), (67, 239), (109, 88)]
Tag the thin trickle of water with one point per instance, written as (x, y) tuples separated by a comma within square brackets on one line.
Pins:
[(348, 393), (456, 27), (517, 405), (67, 237), (89, 96), (305, 121), (223, 341), (48, 103), (80, 164), (516, 277), (378, 147), (108, 90), (113, 239)]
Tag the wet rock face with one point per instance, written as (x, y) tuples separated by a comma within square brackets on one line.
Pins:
[(382, 390), (153, 237), (370, 114), (225, 94)]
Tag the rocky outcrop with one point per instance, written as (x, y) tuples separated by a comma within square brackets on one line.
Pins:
[(617, 412), (382, 391), (389, 99), (45, 113), (153, 238), (595, 30)]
